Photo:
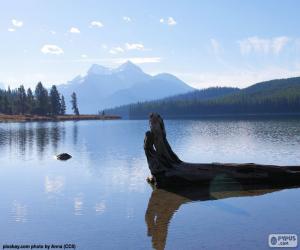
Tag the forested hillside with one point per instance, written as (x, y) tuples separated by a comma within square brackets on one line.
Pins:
[(275, 96)]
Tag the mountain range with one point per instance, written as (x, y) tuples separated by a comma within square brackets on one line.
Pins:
[(103, 87)]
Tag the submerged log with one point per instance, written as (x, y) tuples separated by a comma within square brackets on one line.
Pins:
[(168, 170)]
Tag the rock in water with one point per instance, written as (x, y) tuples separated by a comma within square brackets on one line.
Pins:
[(63, 157)]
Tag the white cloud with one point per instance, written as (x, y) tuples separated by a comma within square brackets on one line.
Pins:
[(96, 24), (11, 29), (216, 47), (74, 30), (279, 43), (51, 49), (127, 19), (52, 32), (139, 60), (134, 46), (104, 46), (239, 77), (110, 61), (169, 21), (262, 45), (116, 50), (84, 56), (17, 23)]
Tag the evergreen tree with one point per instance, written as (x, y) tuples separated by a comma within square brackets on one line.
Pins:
[(62, 105), (42, 100), (9, 107), (21, 101), (55, 101), (74, 103), (30, 101)]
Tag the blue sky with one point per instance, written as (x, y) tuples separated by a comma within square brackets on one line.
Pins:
[(205, 43)]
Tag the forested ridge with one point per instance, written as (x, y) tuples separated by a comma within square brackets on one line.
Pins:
[(275, 96)]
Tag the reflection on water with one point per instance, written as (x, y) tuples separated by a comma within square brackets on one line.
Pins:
[(163, 204), (54, 184), (99, 199), (19, 212)]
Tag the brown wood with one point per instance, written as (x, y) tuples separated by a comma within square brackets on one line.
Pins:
[(168, 170)]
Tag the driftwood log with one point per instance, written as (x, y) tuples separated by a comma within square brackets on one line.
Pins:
[(168, 170)]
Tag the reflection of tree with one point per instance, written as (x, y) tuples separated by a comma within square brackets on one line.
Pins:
[(30, 137), (24, 137), (55, 135), (75, 132), (42, 138), (21, 138), (164, 203)]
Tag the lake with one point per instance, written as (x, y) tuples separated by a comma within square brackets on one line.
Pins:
[(99, 199)]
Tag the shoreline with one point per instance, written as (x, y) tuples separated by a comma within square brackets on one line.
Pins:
[(36, 118)]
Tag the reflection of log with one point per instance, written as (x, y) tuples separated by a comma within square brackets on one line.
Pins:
[(164, 203), (168, 170)]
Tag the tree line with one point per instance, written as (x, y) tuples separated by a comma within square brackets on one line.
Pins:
[(40, 102), (277, 96)]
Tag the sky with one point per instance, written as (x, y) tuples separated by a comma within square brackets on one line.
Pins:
[(205, 43)]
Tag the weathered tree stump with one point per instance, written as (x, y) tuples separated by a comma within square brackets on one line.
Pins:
[(168, 170)]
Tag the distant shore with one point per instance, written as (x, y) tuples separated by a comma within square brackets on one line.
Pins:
[(33, 118)]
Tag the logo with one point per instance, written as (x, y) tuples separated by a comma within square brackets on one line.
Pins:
[(283, 240)]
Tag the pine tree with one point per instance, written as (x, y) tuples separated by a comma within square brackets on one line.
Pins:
[(74, 103), (42, 100), (55, 101), (21, 100), (62, 105), (30, 101)]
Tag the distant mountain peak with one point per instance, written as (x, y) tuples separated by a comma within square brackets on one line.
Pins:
[(96, 69), (129, 66)]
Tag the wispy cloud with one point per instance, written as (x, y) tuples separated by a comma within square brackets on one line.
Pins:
[(127, 19), (169, 21), (134, 46), (74, 30), (116, 50), (216, 47), (262, 45), (51, 49), (141, 60), (104, 46), (238, 77), (110, 61), (17, 23), (96, 24), (83, 56)]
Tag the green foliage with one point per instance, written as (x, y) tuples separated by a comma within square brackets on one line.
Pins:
[(18, 101), (63, 106), (74, 103), (55, 101), (276, 96)]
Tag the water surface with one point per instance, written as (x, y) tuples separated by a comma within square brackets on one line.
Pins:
[(100, 200)]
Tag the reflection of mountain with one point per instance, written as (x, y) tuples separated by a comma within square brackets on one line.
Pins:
[(103, 87), (163, 204)]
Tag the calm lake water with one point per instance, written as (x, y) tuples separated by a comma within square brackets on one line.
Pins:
[(100, 200)]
